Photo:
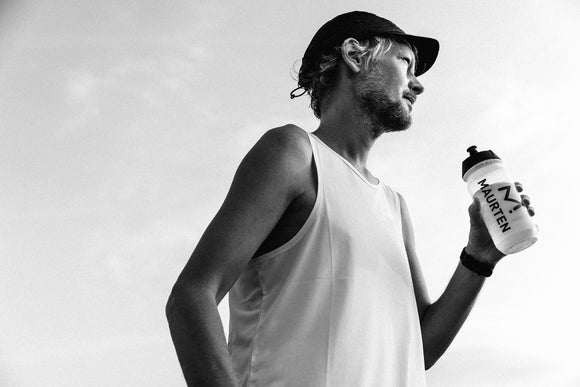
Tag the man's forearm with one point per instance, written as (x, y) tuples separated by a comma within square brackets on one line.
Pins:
[(198, 337), (443, 319)]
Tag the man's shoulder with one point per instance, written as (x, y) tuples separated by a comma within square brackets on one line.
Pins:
[(288, 142), (284, 155), (289, 135)]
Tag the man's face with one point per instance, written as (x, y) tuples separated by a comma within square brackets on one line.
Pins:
[(386, 90)]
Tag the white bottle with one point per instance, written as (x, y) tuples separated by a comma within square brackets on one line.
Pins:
[(507, 219)]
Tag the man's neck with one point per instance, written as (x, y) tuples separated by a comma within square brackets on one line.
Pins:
[(344, 129)]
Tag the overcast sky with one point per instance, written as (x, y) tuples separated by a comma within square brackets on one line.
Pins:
[(122, 124)]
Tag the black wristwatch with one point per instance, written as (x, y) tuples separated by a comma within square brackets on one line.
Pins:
[(478, 267)]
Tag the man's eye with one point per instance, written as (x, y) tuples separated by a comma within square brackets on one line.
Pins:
[(408, 60)]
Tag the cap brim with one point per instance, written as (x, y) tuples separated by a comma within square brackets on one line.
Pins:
[(428, 49)]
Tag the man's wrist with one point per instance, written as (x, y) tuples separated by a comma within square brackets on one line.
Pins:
[(478, 266), (478, 256)]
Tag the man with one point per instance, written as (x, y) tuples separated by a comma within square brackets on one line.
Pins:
[(316, 253)]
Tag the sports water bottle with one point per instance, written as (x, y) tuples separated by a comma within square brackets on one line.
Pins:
[(507, 219)]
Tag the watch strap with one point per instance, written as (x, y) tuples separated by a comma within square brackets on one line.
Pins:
[(478, 267)]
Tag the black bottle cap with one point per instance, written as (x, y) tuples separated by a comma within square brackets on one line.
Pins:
[(475, 158)]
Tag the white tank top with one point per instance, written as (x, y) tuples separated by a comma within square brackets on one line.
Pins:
[(335, 305)]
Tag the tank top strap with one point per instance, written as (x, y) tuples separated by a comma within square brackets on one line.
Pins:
[(315, 154), (393, 196)]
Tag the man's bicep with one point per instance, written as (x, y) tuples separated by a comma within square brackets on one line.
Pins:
[(264, 185), (419, 285)]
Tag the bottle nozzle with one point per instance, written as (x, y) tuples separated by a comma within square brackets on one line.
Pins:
[(472, 150)]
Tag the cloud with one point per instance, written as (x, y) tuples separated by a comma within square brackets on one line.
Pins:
[(83, 348), (80, 86), (489, 367), (81, 97), (158, 252), (144, 84)]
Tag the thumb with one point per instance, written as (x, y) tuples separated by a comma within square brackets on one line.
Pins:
[(475, 213)]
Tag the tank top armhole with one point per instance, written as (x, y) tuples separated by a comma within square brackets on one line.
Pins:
[(313, 213), (396, 198)]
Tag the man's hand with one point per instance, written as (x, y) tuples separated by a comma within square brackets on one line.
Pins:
[(480, 245)]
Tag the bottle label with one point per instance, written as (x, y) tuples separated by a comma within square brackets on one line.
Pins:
[(501, 206)]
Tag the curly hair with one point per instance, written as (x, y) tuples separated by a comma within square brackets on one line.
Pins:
[(318, 80)]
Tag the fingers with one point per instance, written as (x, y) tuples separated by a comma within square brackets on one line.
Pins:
[(525, 199), (526, 202)]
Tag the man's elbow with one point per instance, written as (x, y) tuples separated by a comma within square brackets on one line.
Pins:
[(172, 303), (179, 299), (187, 298)]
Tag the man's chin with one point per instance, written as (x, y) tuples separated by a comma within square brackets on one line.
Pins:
[(377, 129), (388, 117), (400, 127), (396, 123)]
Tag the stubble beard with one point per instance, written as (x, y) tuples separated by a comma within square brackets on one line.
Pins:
[(383, 114)]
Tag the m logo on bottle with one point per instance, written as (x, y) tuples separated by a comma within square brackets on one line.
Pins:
[(507, 198)]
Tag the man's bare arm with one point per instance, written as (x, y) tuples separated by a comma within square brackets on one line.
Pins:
[(268, 179), (441, 320)]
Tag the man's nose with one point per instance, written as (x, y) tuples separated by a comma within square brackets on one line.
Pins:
[(415, 85)]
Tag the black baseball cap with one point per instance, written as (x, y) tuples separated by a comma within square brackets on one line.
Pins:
[(363, 25)]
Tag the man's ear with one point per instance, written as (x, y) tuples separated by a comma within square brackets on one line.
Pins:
[(351, 55)]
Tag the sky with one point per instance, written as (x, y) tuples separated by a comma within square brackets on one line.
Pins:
[(122, 124)]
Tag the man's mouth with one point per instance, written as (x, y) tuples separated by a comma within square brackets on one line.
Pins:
[(410, 98)]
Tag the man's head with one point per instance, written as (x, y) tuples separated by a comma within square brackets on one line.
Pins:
[(385, 87), (361, 34)]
